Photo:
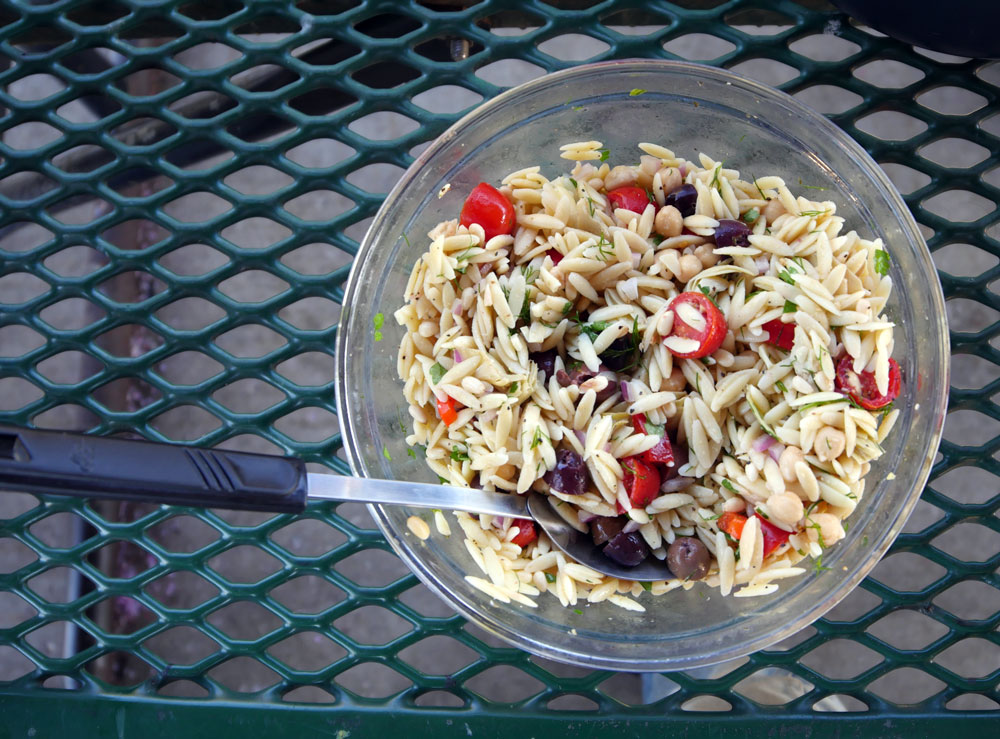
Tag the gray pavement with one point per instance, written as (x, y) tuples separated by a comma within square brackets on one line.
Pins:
[(310, 537)]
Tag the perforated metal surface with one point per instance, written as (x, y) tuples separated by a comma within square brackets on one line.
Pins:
[(166, 197)]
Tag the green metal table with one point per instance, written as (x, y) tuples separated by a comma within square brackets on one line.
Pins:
[(112, 123)]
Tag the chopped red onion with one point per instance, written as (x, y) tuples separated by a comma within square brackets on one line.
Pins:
[(763, 265), (631, 526), (607, 447), (457, 310), (581, 436), (636, 259), (629, 288), (485, 267), (762, 443), (626, 391), (683, 170), (676, 484), (775, 450), (457, 356), (585, 516)]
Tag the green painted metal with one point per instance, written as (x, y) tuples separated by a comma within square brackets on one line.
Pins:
[(43, 38)]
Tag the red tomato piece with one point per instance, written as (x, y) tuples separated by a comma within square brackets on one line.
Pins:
[(555, 255), (662, 453), (710, 336), (862, 387), (732, 524), (773, 536), (642, 481), (488, 207), (526, 533), (447, 410), (781, 335), (630, 198)]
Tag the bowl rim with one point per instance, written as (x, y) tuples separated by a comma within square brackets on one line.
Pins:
[(938, 319)]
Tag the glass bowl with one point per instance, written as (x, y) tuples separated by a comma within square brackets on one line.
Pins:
[(688, 108)]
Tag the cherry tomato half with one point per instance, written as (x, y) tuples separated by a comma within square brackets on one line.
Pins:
[(773, 536), (662, 453), (555, 255), (781, 335), (447, 410), (862, 387), (709, 336), (525, 533), (630, 198), (488, 207), (642, 481)]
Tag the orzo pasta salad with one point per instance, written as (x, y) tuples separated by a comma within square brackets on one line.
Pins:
[(692, 365)]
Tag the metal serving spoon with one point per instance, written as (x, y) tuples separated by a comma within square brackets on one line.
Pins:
[(63, 463)]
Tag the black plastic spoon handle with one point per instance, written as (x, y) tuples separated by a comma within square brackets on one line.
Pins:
[(64, 463)]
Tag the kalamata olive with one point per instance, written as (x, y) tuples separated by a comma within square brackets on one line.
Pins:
[(688, 558), (684, 198), (546, 361), (580, 374), (621, 354), (605, 528), (732, 233), (569, 476), (680, 452), (627, 549)]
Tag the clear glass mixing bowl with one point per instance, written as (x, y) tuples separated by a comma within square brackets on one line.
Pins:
[(689, 108)]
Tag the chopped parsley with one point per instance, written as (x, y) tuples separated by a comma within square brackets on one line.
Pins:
[(577, 611), (882, 262), (656, 239), (715, 177), (437, 372), (728, 486), (594, 329), (605, 153), (459, 455), (818, 565), (567, 308), (786, 276), (751, 216), (708, 294), (636, 91), (385, 453), (512, 390), (846, 525), (378, 321), (574, 182), (790, 307), (549, 577), (538, 437), (647, 586), (444, 480), (411, 453), (813, 212), (781, 386)]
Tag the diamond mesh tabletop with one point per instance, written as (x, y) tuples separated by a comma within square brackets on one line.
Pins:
[(182, 188)]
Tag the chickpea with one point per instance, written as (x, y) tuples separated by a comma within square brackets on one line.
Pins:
[(772, 210), (706, 254), (675, 383), (785, 508), (830, 443), (787, 460), (669, 221), (670, 178), (688, 266), (830, 527), (620, 176)]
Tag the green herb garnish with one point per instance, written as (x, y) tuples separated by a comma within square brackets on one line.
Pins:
[(762, 195), (729, 486), (574, 182), (378, 322), (459, 455), (605, 153), (764, 425), (437, 372), (385, 453), (813, 212), (538, 437), (512, 390), (786, 276), (647, 586), (781, 386), (751, 216), (708, 294), (818, 565), (882, 262), (444, 480), (411, 453), (636, 91), (530, 273), (715, 177), (567, 308), (577, 611), (790, 307), (549, 577)]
